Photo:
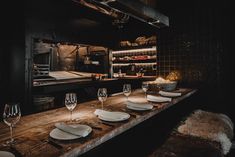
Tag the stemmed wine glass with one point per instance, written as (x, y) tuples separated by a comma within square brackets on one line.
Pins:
[(71, 102), (11, 116), (145, 88), (127, 90), (102, 95)]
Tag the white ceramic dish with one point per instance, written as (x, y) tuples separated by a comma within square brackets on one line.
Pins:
[(6, 154), (109, 119), (114, 116), (61, 135), (158, 98), (169, 94), (138, 108)]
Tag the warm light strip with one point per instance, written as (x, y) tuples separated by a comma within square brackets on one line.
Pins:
[(136, 50), (126, 64)]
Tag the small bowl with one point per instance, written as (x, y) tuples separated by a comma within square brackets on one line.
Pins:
[(169, 86)]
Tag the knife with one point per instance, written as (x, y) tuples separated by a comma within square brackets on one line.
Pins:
[(55, 144), (106, 123)]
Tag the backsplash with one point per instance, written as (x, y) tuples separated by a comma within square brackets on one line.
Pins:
[(197, 60), (197, 41)]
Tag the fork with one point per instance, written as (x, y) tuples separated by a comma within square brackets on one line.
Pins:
[(132, 114), (53, 143)]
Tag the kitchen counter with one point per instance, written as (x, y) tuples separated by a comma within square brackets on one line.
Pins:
[(64, 77), (136, 77), (32, 132), (69, 81), (46, 87), (87, 80)]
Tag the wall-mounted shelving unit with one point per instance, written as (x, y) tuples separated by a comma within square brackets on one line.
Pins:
[(142, 58)]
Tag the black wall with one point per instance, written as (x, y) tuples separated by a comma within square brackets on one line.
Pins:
[(12, 55), (198, 43), (3, 79)]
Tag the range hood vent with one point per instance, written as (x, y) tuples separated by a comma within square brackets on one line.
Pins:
[(122, 9)]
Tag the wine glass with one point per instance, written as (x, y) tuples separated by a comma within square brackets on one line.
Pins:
[(11, 116), (102, 95), (145, 88), (127, 90), (70, 102)]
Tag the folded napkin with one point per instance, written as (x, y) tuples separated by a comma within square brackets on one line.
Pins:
[(170, 94), (157, 98), (111, 115), (6, 154), (79, 130), (139, 105)]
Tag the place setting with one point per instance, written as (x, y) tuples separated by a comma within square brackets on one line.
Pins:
[(70, 130), (150, 101), (139, 104), (11, 116), (169, 94), (64, 131), (162, 95), (158, 99), (144, 103), (111, 116)]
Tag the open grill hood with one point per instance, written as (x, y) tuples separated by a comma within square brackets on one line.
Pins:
[(121, 10)]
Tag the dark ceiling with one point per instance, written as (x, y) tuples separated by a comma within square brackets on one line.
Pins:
[(78, 21)]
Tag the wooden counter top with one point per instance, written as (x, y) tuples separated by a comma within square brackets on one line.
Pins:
[(72, 84), (70, 81), (136, 77), (32, 131)]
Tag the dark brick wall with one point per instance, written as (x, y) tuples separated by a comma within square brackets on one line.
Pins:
[(196, 40), (199, 43), (198, 59)]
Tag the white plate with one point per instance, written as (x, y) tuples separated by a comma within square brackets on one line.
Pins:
[(169, 94), (121, 117), (6, 154), (61, 135), (138, 108), (158, 98), (138, 105)]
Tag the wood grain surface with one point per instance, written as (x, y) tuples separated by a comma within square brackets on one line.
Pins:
[(32, 132)]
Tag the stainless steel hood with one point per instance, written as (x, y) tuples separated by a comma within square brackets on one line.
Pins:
[(121, 10)]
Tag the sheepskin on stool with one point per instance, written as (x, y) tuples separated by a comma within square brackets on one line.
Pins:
[(180, 145), (210, 126)]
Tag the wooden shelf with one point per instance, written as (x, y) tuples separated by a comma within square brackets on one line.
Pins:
[(127, 64), (133, 47), (133, 50), (135, 61)]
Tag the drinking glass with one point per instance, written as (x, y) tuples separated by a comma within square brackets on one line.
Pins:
[(145, 87), (102, 95), (11, 116), (70, 102), (127, 90)]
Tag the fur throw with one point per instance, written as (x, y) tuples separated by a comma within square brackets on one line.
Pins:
[(210, 126)]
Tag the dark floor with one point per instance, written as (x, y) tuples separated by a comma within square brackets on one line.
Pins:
[(232, 151)]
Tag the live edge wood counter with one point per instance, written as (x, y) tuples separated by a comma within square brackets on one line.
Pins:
[(32, 132)]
